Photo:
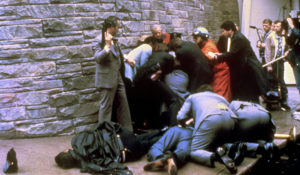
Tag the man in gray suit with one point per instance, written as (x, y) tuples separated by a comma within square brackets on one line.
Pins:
[(217, 122), (246, 129), (214, 123), (109, 73)]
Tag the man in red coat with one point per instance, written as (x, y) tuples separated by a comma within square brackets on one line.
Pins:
[(221, 78)]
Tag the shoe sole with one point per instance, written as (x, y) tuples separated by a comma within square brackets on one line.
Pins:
[(154, 167), (284, 109)]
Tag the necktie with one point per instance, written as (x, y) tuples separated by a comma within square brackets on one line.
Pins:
[(279, 50)]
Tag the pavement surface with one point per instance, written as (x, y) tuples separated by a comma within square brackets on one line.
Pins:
[(36, 155)]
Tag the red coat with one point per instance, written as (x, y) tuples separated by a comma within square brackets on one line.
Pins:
[(221, 79)]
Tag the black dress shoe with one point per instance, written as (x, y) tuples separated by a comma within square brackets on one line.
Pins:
[(221, 152), (285, 107), (236, 151), (11, 164), (240, 152), (271, 152)]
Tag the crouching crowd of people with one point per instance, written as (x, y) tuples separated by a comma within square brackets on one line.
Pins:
[(209, 91)]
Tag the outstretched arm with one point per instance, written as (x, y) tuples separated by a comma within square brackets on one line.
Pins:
[(185, 110), (237, 45)]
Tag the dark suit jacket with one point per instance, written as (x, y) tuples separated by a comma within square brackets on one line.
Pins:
[(108, 65), (92, 150), (158, 60), (247, 75), (194, 63), (222, 44)]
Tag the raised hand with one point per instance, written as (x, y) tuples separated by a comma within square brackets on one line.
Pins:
[(108, 38)]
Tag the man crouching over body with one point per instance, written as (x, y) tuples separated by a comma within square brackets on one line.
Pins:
[(220, 128), (214, 124)]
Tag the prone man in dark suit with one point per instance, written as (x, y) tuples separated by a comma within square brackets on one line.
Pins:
[(109, 73)]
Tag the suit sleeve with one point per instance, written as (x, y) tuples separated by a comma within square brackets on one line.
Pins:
[(100, 54), (222, 44), (185, 110), (237, 45)]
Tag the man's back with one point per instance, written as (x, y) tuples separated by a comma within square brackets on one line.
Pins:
[(202, 105), (194, 63)]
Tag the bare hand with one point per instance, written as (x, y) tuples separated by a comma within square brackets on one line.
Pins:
[(286, 53), (189, 122), (258, 44), (269, 69), (213, 55), (108, 38), (156, 75), (290, 22), (131, 62)]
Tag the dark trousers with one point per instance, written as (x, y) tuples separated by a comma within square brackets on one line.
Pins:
[(294, 60), (115, 98), (244, 85), (137, 146), (276, 79), (145, 100)]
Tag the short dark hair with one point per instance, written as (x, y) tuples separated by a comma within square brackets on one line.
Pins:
[(65, 160), (205, 87), (203, 37), (269, 21), (228, 25), (285, 25), (277, 21), (175, 35), (175, 44), (161, 47), (150, 39), (111, 21)]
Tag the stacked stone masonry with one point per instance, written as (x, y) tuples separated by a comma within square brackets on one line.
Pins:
[(46, 57)]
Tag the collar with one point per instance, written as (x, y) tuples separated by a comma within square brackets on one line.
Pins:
[(277, 36), (268, 33)]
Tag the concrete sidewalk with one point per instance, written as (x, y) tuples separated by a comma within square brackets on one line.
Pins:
[(36, 156)]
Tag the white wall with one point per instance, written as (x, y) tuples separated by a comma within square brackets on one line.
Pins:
[(253, 12)]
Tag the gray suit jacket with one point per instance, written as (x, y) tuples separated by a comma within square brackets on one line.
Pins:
[(202, 105), (108, 65), (272, 47)]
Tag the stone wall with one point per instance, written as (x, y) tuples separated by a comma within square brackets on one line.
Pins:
[(46, 61)]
